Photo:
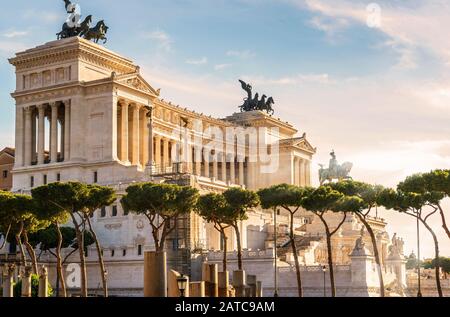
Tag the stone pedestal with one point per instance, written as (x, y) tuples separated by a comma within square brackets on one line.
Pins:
[(259, 289), (396, 264), (251, 283), (26, 281), (239, 283), (197, 289), (43, 282), (211, 277), (155, 274), (224, 284), (8, 281)]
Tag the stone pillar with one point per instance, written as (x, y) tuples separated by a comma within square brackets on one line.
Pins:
[(233, 171), (197, 289), (41, 134), (158, 151), (26, 281), (239, 283), (155, 274), (33, 135), (224, 284), (66, 148), (124, 147), (43, 282), (166, 158), (223, 169), (151, 145), (54, 133), (146, 129), (216, 166), (251, 282), (241, 174), (135, 137), (206, 167), (8, 280), (20, 137), (361, 269), (28, 136), (198, 161), (211, 277), (259, 289), (308, 173)]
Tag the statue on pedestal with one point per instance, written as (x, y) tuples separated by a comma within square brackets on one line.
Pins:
[(254, 103), (334, 170)]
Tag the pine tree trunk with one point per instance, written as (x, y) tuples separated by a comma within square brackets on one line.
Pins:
[(436, 258), (239, 247), (31, 252), (330, 256), (444, 222), (80, 241), (59, 261), (297, 263), (225, 250), (375, 252), (100, 258), (19, 243)]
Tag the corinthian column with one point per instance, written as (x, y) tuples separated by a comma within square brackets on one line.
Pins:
[(124, 133), (241, 172), (54, 133), (41, 134), (135, 137), (28, 135), (66, 149)]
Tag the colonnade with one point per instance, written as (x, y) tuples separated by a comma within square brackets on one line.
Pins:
[(32, 123)]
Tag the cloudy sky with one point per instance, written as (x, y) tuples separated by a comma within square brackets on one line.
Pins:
[(368, 80)]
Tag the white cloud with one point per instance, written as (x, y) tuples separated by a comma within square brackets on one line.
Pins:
[(162, 39), (221, 66), (330, 26), (200, 61), (241, 54), (290, 80), (13, 34), (422, 26)]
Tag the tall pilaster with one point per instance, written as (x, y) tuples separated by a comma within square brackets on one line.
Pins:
[(66, 149), (41, 134), (124, 155), (28, 135), (224, 167), (241, 172), (233, 171), (54, 133), (135, 137), (158, 151), (166, 159), (144, 132)]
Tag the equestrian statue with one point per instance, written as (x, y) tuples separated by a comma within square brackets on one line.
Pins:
[(72, 27), (334, 170), (252, 103)]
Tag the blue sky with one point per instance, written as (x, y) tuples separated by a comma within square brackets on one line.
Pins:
[(380, 96)]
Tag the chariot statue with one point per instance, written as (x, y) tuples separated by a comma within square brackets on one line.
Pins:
[(252, 103), (73, 27), (334, 170)]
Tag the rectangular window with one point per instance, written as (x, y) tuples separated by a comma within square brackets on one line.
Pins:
[(5, 174), (103, 212), (58, 177), (45, 179), (139, 250), (95, 177), (32, 181), (114, 211)]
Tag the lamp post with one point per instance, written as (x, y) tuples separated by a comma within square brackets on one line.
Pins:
[(182, 284), (419, 292), (324, 270), (275, 211)]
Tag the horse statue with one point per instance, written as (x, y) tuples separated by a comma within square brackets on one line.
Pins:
[(267, 106), (97, 33), (68, 31), (255, 103), (335, 171)]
